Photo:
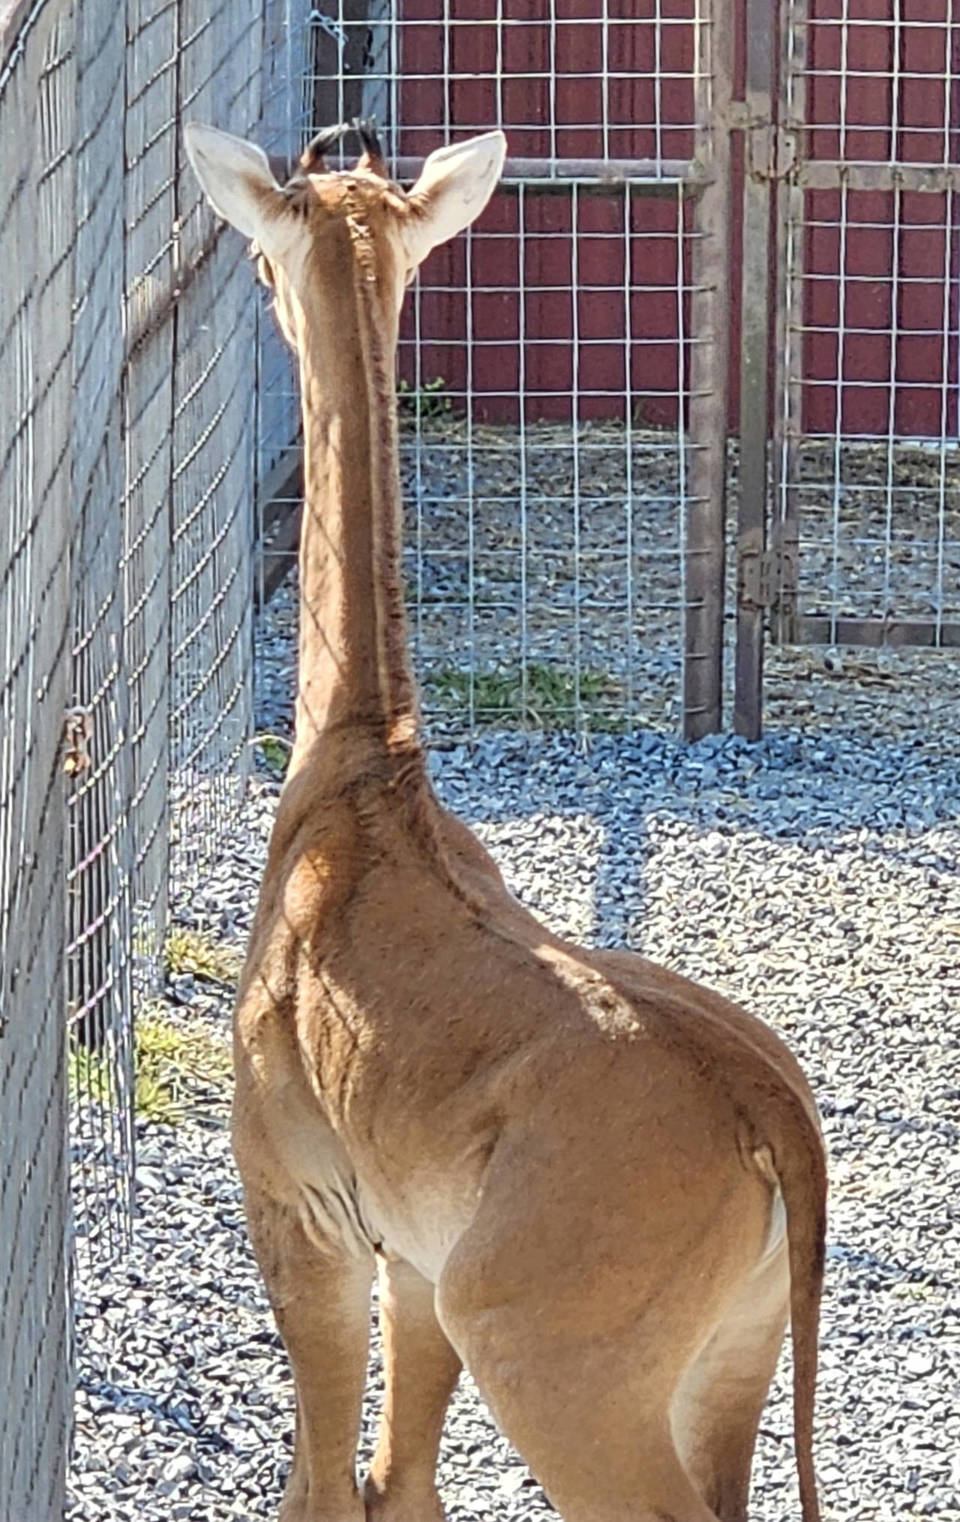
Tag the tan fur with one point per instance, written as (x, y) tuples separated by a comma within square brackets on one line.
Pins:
[(565, 1164)]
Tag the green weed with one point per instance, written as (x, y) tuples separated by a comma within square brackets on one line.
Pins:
[(430, 401), (88, 1076), (180, 1068), (191, 951), (548, 699), (275, 751)]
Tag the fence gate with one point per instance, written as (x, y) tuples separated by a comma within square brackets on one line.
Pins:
[(865, 532)]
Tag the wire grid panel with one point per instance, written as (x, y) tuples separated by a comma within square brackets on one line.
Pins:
[(150, 272), (36, 226), (99, 959), (547, 359), (213, 455), (163, 554), (545, 546), (119, 804), (285, 125), (125, 567), (869, 481)]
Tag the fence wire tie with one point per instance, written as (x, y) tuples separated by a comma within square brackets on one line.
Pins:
[(327, 24), (77, 734)]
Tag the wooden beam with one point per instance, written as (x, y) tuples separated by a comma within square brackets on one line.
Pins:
[(877, 633)]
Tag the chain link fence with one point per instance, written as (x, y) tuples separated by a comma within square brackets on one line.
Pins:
[(127, 464)]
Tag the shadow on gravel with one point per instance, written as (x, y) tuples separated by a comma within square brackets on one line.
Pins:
[(815, 878), (837, 791)]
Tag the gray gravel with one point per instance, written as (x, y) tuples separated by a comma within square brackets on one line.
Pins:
[(816, 877)]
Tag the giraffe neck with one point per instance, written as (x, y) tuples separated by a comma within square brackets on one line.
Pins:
[(354, 669)]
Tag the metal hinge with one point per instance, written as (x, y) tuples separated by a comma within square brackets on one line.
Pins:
[(762, 575), (771, 151)]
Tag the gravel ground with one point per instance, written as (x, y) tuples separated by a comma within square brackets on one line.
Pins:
[(816, 877)]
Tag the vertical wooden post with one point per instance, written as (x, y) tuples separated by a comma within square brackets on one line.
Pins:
[(709, 383), (787, 337), (760, 169)]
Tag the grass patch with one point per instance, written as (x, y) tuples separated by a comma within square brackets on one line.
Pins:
[(431, 401), (88, 1076), (275, 751), (192, 951), (549, 700), (180, 1069)]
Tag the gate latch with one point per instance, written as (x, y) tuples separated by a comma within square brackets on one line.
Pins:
[(762, 574), (772, 151)]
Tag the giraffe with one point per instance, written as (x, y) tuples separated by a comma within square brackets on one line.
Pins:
[(596, 1185)]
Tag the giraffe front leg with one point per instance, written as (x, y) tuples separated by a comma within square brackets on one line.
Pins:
[(420, 1370), (321, 1302)]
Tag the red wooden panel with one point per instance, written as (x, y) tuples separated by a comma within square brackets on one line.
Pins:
[(642, 35), (422, 10), (895, 254), (654, 379), (601, 380), (893, 278), (849, 91), (600, 315), (636, 47), (495, 373), (866, 409), (928, 54)]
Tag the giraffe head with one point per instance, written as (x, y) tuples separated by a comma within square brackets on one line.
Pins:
[(303, 223)]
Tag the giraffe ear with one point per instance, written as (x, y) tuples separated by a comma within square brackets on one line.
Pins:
[(452, 191), (239, 184)]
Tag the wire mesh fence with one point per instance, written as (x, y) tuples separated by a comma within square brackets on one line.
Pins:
[(212, 450), (563, 393), (569, 370), (36, 203), (162, 561), (127, 462), (868, 489)]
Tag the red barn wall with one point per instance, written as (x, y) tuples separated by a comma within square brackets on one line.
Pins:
[(551, 282), (875, 266), (570, 301)]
